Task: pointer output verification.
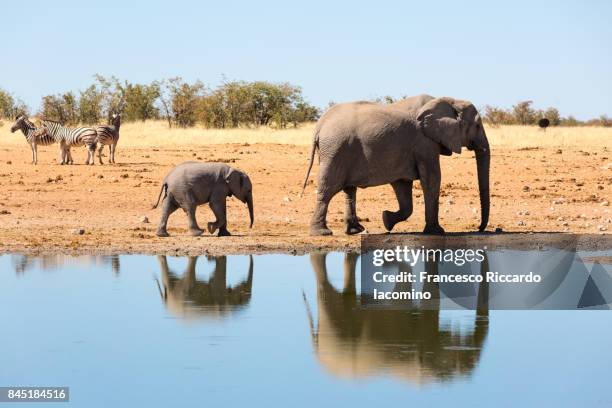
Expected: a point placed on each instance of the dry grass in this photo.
(157, 134)
(531, 136)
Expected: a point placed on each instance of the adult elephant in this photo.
(356, 342)
(189, 297)
(413, 104)
(364, 144)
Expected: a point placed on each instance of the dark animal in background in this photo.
(543, 123)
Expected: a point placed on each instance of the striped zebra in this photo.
(34, 136)
(108, 135)
(69, 137)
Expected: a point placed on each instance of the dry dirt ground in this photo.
(43, 207)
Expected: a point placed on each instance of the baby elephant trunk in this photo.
(249, 202)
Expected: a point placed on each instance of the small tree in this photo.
(63, 108)
(140, 101)
(180, 101)
(304, 112)
(496, 116)
(552, 114)
(11, 107)
(90, 105)
(523, 113)
(111, 93)
(211, 110)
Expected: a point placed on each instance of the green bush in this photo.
(11, 107)
(63, 108)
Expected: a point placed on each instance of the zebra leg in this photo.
(62, 153)
(100, 153)
(168, 208)
(91, 156)
(33, 146)
(112, 148)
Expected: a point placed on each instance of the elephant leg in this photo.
(403, 192)
(430, 182)
(352, 222)
(194, 229)
(168, 208)
(350, 264)
(318, 223)
(218, 207)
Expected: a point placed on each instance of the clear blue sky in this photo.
(554, 52)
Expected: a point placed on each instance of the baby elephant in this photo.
(193, 183)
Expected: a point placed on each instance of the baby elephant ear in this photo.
(446, 131)
(234, 181)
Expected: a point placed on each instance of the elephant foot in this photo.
(389, 220)
(211, 227)
(162, 233)
(354, 227)
(195, 232)
(320, 231)
(434, 230)
(224, 233)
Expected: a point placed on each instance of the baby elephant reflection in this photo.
(189, 297)
(353, 342)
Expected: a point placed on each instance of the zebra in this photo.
(68, 137)
(34, 136)
(109, 135)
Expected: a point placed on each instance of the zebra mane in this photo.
(28, 123)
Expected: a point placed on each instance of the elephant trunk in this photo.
(249, 202)
(483, 162)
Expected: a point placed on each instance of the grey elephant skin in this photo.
(191, 184)
(364, 144)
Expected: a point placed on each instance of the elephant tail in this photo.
(315, 145)
(164, 189)
(313, 334)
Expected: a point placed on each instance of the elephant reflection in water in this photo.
(189, 297)
(353, 342)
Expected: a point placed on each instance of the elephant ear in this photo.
(446, 131)
(234, 182)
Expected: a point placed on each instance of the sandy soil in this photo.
(42, 207)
